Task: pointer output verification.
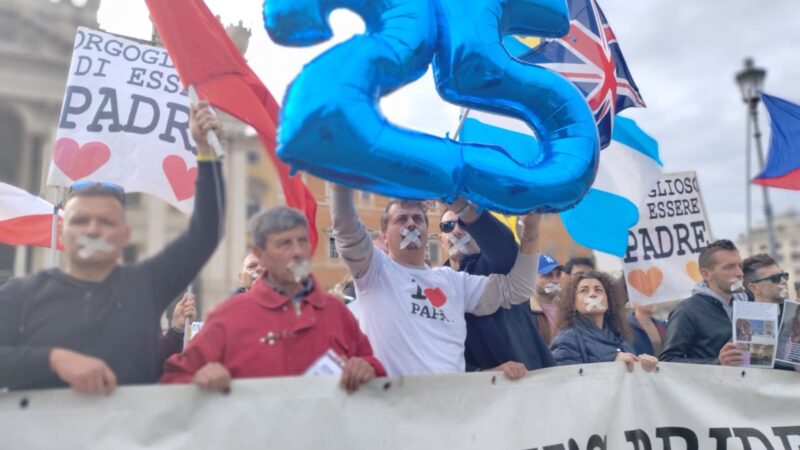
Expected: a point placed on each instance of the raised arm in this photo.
(352, 240)
(171, 270)
(518, 285)
(496, 241)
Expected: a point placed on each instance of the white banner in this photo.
(661, 262)
(596, 406)
(125, 120)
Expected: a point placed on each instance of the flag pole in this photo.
(187, 323)
(461, 124)
(213, 139)
(54, 228)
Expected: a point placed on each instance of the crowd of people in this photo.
(495, 305)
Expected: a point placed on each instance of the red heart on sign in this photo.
(78, 161)
(436, 297)
(180, 178)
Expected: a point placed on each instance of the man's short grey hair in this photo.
(274, 220)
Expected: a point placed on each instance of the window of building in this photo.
(253, 157)
(7, 255)
(253, 206)
(133, 199)
(332, 252)
(433, 252)
(365, 196)
(795, 256)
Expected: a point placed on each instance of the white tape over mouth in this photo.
(737, 285)
(784, 293)
(89, 246)
(300, 269)
(410, 239)
(253, 274)
(461, 245)
(592, 303)
(552, 288)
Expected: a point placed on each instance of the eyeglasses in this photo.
(774, 278)
(114, 189)
(447, 226)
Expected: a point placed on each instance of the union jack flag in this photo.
(590, 57)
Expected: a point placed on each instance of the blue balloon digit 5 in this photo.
(331, 125)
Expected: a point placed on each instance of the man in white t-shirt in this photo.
(414, 314)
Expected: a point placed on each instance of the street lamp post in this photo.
(750, 81)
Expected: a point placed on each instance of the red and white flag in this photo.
(25, 219)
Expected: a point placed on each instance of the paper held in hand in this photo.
(755, 328)
(328, 364)
(789, 335)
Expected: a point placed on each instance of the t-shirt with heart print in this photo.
(414, 316)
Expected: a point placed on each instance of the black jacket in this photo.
(584, 343)
(508, 334)
(116, 320)
(696, 331)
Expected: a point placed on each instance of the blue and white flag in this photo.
(629, 167)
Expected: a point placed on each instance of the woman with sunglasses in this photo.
(591, 324)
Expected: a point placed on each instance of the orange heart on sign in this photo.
(646, 282)
(693, 270)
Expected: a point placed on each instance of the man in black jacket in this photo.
(95, 324)
(699, 329)
(507, 340)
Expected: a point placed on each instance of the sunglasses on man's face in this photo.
(114, 189)
(447, 226)
(774, 278)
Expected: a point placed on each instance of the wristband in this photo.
(176, 330)
(206, 158)
(529, 238)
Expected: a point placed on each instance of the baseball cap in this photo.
(547, 264)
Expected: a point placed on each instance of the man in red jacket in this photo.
(282, 325)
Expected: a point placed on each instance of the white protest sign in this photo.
(195, 328)
(661, 261)
(125, 120)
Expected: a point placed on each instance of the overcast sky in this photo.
(683, 56)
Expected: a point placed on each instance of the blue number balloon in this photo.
(331, 125)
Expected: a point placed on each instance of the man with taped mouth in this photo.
(699, 330)
(507, 340)
(281, 325)
(543, 302)
(414, 314)
(95, 324)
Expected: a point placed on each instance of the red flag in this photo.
(25, 219)
(206, 57)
